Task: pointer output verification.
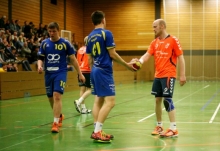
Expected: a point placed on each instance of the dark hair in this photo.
(97, 17)
(53, 25)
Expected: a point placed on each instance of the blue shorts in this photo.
(87, 83)
(55, 83)
(102, 83)
(163, 87)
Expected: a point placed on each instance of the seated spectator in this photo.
(11, 67)
(2, 54)
(34, 55)
(16, 43)
(25, 51)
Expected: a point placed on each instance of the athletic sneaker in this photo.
(77, 106)
(158, 130)
(85, 111)
(55, 128)
(108, 135)
(169, 133)
(99, 137)
(60, 120)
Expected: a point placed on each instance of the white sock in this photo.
(83, 106)
(94, 124)
(80, 100)
(173, 125)
(56, 120)
(98, 127)
(159, 124)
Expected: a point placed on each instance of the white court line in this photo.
(141, 120)
(216, 111)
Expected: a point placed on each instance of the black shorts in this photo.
(87, 83)
(163, 87)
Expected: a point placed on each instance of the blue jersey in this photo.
(98, 43)
(55, 54)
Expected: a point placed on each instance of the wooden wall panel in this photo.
(74, 18)
(129, 20)
(4, 8)
(24, 10)
(193, 20)
(196, 24)
(53, 13)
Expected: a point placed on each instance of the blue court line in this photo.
(210, 100)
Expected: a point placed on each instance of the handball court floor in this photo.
(25, 123)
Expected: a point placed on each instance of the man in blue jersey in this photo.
(101, 51)
(53, 52)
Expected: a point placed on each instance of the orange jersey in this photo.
(82, 59)
(165, 54)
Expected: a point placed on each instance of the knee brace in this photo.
(168, 104)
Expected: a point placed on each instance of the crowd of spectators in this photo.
(19, 43)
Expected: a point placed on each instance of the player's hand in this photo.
(134, 60)
(182, 80)
(82, 78)
(40, 70)
(130, 67)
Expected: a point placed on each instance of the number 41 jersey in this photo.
(98, 43)
(55, 54)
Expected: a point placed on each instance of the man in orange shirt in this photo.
(166, 50)
(85, 88)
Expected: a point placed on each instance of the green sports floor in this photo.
(25, 123)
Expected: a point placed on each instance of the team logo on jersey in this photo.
(53, 58)
(167, 45)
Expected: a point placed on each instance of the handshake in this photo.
(136, 64)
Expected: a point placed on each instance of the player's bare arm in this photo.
(143, 59)
(182, 70)
(114, 55)
(74, 62)
(91, 62)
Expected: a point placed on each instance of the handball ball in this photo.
(137, 65)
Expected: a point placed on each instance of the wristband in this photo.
(141, 61)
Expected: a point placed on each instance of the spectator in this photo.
(12, 26)
(45, 32)
(31, 44)
(25, 51)
(11, 67)
(2, 54)
(7, 33)
(18, 27)
(2, 32)
(14, 34)
(28, 30)
(16, 43)
(7, 27)
(23, 27)
(34, 55)
(21, 41)
(40, 30)
(2, 23)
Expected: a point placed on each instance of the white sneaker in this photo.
(85, 111)
(77, 106)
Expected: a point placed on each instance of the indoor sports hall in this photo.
(25, 114)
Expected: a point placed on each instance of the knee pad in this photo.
(168, 104)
